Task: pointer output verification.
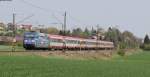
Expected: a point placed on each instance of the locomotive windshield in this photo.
(30, 34)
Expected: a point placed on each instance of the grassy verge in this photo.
(9, 48)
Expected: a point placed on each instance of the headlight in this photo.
(25, 40)
(32, 40)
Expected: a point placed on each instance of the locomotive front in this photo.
(29, 41)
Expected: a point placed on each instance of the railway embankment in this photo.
(84, 54)
(75, 54)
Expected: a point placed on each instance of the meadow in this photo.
(137, 65)
(9, 48)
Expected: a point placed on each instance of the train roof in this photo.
(67, 37)
(75, 38)
(61, 37)
(55, 36)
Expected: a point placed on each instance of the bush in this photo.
(146, 47)
(122, 45)
(10, 43)
(121, 52)
(5, 43)
(1, 33)
(19, 43)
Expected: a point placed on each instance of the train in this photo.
(36, 40)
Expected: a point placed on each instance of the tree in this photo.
(122, 40)
(130, 41)
(68, 33)
(93, 32)
(50, 30)
(114, 35)
(77, 32)
(61, 32)
(100, 33)
(10, 27)
(146, 44)
(86, 33)
(146, 40)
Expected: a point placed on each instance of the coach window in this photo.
(83, 42)
(79, 42)
(59, 40)
(68, 41)
(75, 42)
(52, 40)
(88, 43)
(72, 41)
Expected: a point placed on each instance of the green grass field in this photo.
(9, 48)
(137, 65)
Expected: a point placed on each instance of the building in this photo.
(2, 27)
(25, 27)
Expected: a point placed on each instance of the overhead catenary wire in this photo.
(77, 20)
(26, 18)
(43, 9)
(53, 13)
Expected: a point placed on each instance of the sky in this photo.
(132, 15)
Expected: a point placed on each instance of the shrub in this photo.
(19, 43)
(121, 52)
(146, 47)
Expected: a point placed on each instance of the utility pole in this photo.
(14, 32)
(64, 31)
(14, 15)
(64, 23)
(97, 34)
(97, 31)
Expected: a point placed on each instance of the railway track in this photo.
(67, 54)
(60, 51)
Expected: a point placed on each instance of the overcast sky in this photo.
(132, 15)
